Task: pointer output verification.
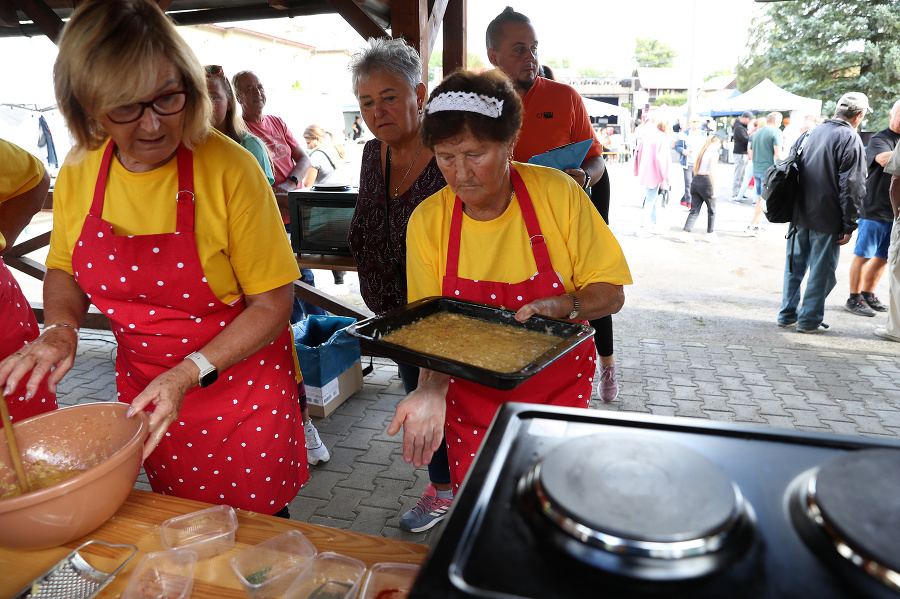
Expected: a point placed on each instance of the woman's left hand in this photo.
(166, 393)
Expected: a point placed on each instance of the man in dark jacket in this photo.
(875, 220)
(832, 185)
(740, 136)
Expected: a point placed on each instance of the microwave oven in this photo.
(320, 219)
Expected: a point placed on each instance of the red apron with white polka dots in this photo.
(234, 442)
(567, 382)
(18, 326)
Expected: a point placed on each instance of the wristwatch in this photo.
(208, 372)
(294, 179)
(587, 182)
(574, 313)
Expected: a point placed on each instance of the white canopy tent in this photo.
(767, 97)
(599, 109)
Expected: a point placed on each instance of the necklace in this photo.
(397, 189)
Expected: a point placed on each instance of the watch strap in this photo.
(208, 372)
(574, 313)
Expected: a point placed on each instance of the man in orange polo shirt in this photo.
(554, 116)
(554, 112)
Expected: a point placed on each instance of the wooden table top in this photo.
(326, 262)
(138, 523)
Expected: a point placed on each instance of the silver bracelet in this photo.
(60, 324)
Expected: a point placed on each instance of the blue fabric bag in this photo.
(324, 349)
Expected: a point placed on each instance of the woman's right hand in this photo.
(422, 414)
(49, 356)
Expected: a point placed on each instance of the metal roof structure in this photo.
(415, 20)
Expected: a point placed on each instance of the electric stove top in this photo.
(565, 503)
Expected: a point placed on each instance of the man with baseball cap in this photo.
(740, 137)
(832, 185)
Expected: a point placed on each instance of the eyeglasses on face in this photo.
(214, 69)
(165, 104)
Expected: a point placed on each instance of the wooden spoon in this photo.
(13, 446)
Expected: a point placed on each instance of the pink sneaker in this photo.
(430, 510)
(609, 387)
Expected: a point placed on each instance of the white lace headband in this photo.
(467, 102)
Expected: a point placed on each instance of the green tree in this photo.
(825, 48)
(653, 53)
(473, 61)
(594, 72)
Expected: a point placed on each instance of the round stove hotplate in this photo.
(850, 509)
(638, 506)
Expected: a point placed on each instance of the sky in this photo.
(602, 33)
(596, 33)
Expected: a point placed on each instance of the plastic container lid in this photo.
(163, 575)
(327, 576)
(268, 569)
(389, 580)
(208, 532)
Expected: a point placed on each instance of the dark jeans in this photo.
(603, 337)
(701, 192)
(439, 467)
(688, 177)
(819, 253)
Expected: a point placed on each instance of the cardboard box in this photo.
(323, 400)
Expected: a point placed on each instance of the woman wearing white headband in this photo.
(471, 241)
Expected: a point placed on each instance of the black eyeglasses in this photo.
(214, 69)
(166, 104)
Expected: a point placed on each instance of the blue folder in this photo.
(567, 156)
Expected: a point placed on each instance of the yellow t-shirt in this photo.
(241, 240)
(19, 172)
(582, 248)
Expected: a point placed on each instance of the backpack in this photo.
(781, 185)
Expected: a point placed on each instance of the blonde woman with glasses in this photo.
(172, 231)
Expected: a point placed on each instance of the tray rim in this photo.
(499, 380)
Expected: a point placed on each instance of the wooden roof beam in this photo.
(357, 18)
(42, 16)
(8, 17)
(455, 29)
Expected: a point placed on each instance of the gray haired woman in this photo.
(397, 174)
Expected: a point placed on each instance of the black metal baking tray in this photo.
(370, 331)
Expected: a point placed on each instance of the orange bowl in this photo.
(96, 436)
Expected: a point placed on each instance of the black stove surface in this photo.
(490, 548)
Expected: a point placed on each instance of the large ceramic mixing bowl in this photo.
(95, 436)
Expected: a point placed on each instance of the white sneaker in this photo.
(315, 450)
(659, 229)
(685, 237)
(711, 237)
(642, 232)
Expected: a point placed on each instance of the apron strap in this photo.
(538, 244)
(184, 222)
(100, 187)
(454, 240)
(185, 197)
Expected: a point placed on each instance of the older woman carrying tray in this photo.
(507, 234)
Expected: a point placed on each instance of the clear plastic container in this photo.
(327, 576)
(208, 532)
(268, 569)
(389, 580)
(163, 575)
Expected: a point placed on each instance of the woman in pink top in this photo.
(651, 167)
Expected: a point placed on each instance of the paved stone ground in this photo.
(696, 339)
